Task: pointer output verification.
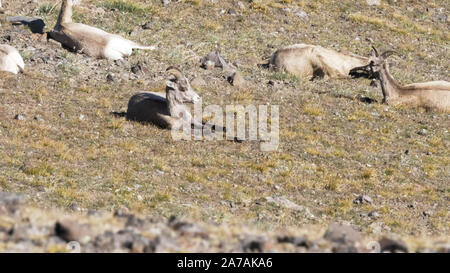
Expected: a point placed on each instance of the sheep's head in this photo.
(375, 65)
(179, 86)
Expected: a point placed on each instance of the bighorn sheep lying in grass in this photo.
(311, 61)
(434, 95)
(90, 40)
(10, 60)
(169, 112)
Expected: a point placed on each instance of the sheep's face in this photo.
(373, 68)
(369, 71)
(182, 90)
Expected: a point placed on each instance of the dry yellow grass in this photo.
(332, 145)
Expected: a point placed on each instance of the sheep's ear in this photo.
(171, 84)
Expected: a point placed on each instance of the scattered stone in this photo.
(240, 5)
(363, 199)
(38, 118)
(231, 12)
(211, 60)
(379, 227)
(373, 2)
(74, 207)
(72, 231)
(133, 221)
(19, 117)
(10, 202)
(296, 241)
(422, 132)
(81, 117)
(427, 213)
(208, 65)
(137, 69)
(36, 25)
(343, 248)
(342, 234)
(62, 115)
(110, 78)
(253, 244)
(301, 14)
(390, 245)
(198, 82)
(440, 17)
(186, 228)
(237, 80)
(122, 212)
(147, 25)
(286, 203)
(374, 214)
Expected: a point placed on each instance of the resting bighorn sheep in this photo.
(90, 40)
(435, 94)
(312, 61)
(169, 112)
(10, 60)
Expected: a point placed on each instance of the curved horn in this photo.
(375, 51)
(387, 54)
(175, 71)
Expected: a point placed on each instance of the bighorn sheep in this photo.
(10, 60)
(312, 61)
(169, 112)
(435, 94)
(90, 40)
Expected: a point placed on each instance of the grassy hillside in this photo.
(70, 149)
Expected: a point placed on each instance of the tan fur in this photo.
(311, 61)
(169, 112)
(430, 95)
(10, 60)
(90, 40)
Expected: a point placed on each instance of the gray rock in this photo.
(36, 25)
(186, 228)
(110, 78)
(211, 60)
(286, 203)
(147, 25)
(295, 240)
(19, 117)
(38, 118)
(72, 231)
(240, 5)
(374, 214)
(198, 82)
(10, 202)
(253, 244)
(427, 213)
(422, 132)
(373, 2)
(11, 199)
(237, 80)
(390, 245)
(363, 199)
(301, 14)
(342, 234)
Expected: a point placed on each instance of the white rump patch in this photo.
(117, 48)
